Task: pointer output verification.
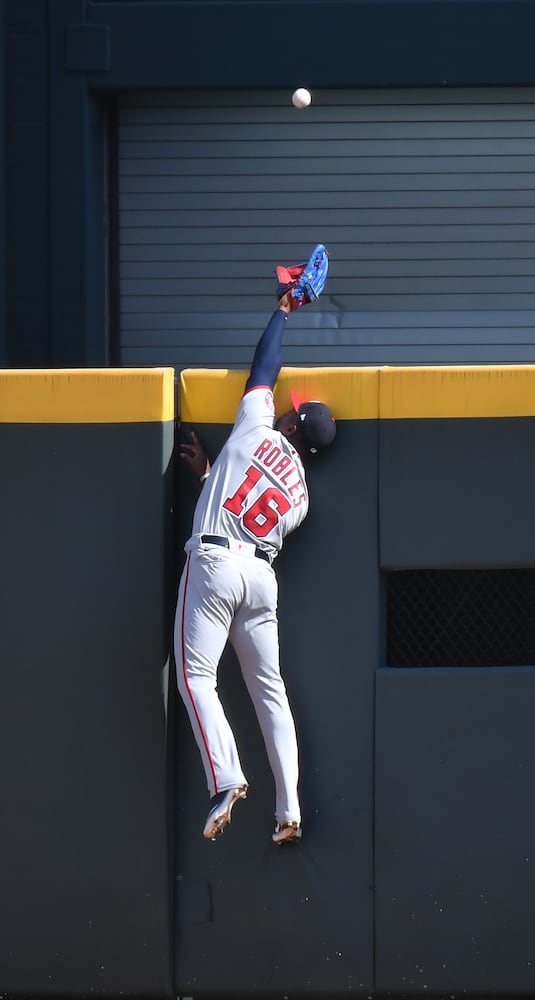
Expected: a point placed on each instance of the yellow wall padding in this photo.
(458, 391)
(87, 395)
(212, 396)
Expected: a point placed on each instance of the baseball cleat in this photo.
(305, 282)
(220, 809)
(287, 833)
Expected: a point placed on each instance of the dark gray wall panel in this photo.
(253, 918)
(85, 870)
(455, 826)
(456, 492)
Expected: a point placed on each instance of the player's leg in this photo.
(254, 636)
(203, 618)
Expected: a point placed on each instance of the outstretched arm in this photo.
(267, 357)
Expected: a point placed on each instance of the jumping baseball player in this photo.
(252, 497)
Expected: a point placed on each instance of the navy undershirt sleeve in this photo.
(267, 357)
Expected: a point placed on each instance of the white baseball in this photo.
(301, 97)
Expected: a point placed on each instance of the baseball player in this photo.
(252, 497)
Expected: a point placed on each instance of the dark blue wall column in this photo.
(3, 240)
(77, 188)
(26, 261)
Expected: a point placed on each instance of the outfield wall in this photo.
(414, 877)
(85, 839)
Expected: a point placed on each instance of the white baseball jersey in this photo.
(256, 491)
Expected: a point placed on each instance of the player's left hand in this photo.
(195, 455)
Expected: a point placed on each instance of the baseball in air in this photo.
(301, 98)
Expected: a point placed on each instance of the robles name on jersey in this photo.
(283, 467)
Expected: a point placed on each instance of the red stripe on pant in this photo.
(186, 681)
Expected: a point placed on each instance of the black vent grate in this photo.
(461, 618)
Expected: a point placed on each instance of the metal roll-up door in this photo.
(425, 199)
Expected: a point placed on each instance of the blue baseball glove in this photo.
(304, 281)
